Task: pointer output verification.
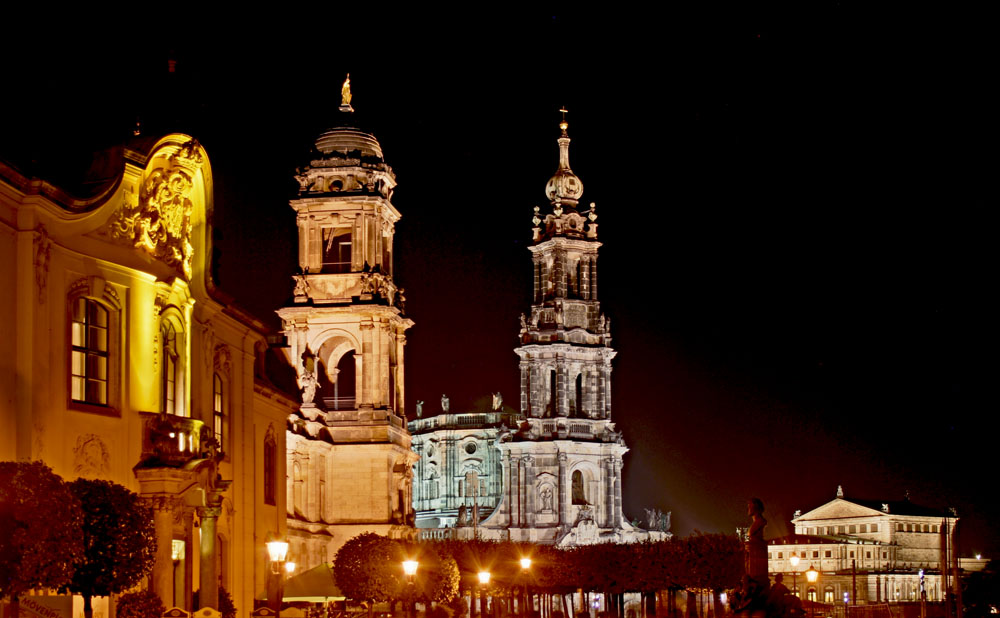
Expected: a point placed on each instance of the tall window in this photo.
(218, 411)
(89, 362)
(270, 470)
(168, 382)
(579, 495)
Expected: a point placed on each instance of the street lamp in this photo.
(484, 580)
(525, 565)
(812, 575)
(410, 569)
(794, 560)
(277, 551)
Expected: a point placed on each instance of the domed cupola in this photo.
(564, 187)
(347, 159)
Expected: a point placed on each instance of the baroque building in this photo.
(560, 459)
(349, 459)
(868, 550)
(128, 365)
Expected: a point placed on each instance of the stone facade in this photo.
(878, 551)
(459, 475)
(126, 366)
(560, 465)
(349, 458)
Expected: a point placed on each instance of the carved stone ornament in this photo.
(42, 248)
(90, 457)
(161, 222)
(223, 360)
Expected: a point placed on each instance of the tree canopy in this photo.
(369, 568)
(40, 529)
(119, 540)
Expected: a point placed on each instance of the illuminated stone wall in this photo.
(107, 293)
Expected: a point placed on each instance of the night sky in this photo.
(792, 201)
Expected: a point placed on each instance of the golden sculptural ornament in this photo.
(161, 221)
(345, 91)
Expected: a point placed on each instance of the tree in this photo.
(119, 540)
(981, 591)
(142, 604)
(40, 530)
(369, 568)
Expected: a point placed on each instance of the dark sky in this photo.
(793, 205)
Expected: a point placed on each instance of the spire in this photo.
(345, 95)
(564, 188)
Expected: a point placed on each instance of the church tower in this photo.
(562, 467)
(349, 457)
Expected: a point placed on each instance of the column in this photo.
(529, 490)
(515, 491)
(369, 367)
(593, 278)
(525, 387)
(505, 501)
(618, 492)
(208, 578)
(609, 491)
(399, 404)
(563, 492)
(562, 392)
(162, 577)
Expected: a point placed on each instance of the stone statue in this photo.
(524, 322)
(752, 594)
(498, 398)
(664, 522)
(301, 286)
(463, 516)
(345, 91)
(445, 403)
(756, 546)
(420, 408)
(546, 499)
(308, 383)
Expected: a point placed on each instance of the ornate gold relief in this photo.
(161, 222)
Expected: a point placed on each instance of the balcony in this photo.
(170, 441)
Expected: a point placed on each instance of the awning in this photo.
(316, 585)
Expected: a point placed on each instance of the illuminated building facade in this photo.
(880, 551)
(560, 463)
(458, 479)
(349, 457)
(126, 366)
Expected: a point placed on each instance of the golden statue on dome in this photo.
(345, 92)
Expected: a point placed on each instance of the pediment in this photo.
(837, 509)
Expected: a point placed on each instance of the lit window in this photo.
(874, 528)
(779, 554)
(864, 528)
(168, 379)
(815, 554)
(218, 411)
(852, 529)
(851, 555)
(89, 354)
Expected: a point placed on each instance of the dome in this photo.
(565, 185)
(345, 140)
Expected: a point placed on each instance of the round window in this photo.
(470, 448)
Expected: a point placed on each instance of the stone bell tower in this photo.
(350, 464)
(562, 467)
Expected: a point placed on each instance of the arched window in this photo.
(579, 493)
(90, 352)
(219, 411)
(578, 401)
(170, 368)
(270, 468)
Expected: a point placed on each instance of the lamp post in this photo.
(410, 569)
(794, 560)
(277, 551)
(525, 565)
(812, 575)
(484, 580)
